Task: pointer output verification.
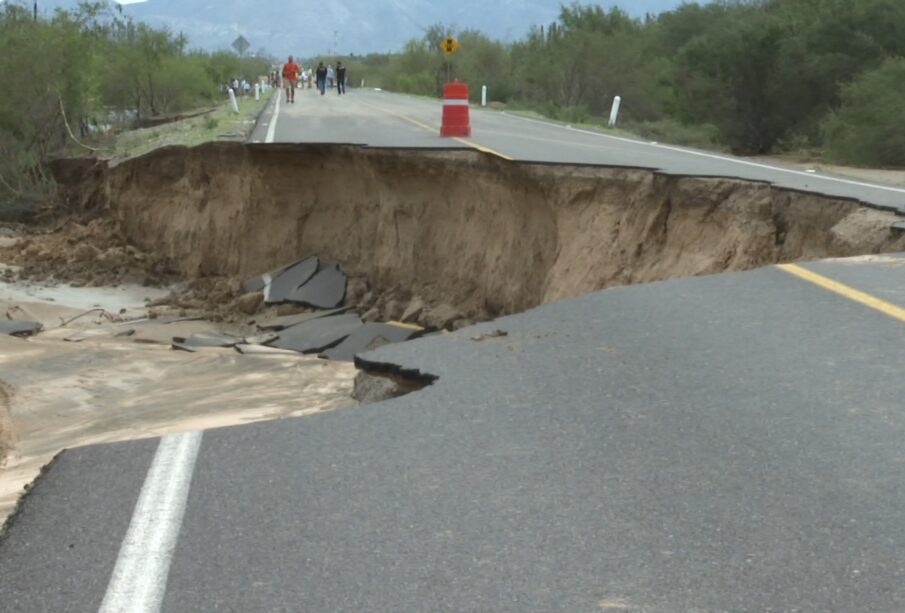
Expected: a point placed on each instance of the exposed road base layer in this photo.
(457, 228)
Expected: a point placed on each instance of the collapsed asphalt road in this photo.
(722, 443)
(469, 236)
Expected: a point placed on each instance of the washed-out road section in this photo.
(721, 443)
(382, 119)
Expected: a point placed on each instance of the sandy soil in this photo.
(56, 394)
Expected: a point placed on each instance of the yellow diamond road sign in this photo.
(449, 45)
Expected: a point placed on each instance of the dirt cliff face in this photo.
(462, 228)
(6, 431)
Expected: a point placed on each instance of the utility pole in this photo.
(335, 42)
(36, 10)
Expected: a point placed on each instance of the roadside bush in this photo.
(869, 126)
(573, 114)
(705, 136)
(421, 83)
(92, 69)
(180, 84)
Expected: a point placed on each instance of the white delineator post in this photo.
(614, 113)
(257, 91)
(483, 95)
(233, 102)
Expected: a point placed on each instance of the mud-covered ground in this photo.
(128, 382)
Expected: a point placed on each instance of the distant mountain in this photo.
(346, 26)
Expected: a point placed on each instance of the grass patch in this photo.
(665, 131)
(675, 133)
(220, 124)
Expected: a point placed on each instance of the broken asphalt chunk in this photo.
(253, 349)
(261, 339)
(289, 280)
(257, 284)
(287, 321)
(368, 337)
(19, 328)
(108, 332)
(317, 335)
(206, 339)
(325, 290)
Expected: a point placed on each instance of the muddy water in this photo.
(63, 394)
(112, 299)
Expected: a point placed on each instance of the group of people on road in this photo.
(325, 76)
(240, 88)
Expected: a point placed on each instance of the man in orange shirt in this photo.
(290, 77)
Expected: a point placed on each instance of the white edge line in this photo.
(713, 156)
(139, 579)
(272, 129)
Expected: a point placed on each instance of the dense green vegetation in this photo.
(825, 77)
(90, 68)
(754, 76)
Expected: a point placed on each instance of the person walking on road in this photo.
(340, 78)
(321, 77)
(290, 78)
(330, 76)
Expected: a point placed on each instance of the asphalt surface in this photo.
(381, 119)
(63, 542)
(722, 443)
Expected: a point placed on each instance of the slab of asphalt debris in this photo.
(206, 339)
(106, 331)
(325, 290)
(288, 281)
(306, 282)
(254, 349)
(287, 321)
(370, 336)
(317, 335)
(330, 331)
(259, 283)
(19, 328)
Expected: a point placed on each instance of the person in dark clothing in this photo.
(321, 77)
(340, 78)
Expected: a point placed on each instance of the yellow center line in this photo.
(887, 308)
(472, 144)
(482, 148)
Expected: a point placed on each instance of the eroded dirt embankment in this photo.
(482, 235)
(6, 432)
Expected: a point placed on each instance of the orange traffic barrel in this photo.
(456, 121)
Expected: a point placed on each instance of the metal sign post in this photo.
(449, 46)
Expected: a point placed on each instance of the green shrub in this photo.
(573, 114)
(421, 83)
(869, 126)
(670, 131)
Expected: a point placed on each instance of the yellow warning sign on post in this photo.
(449, 45)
